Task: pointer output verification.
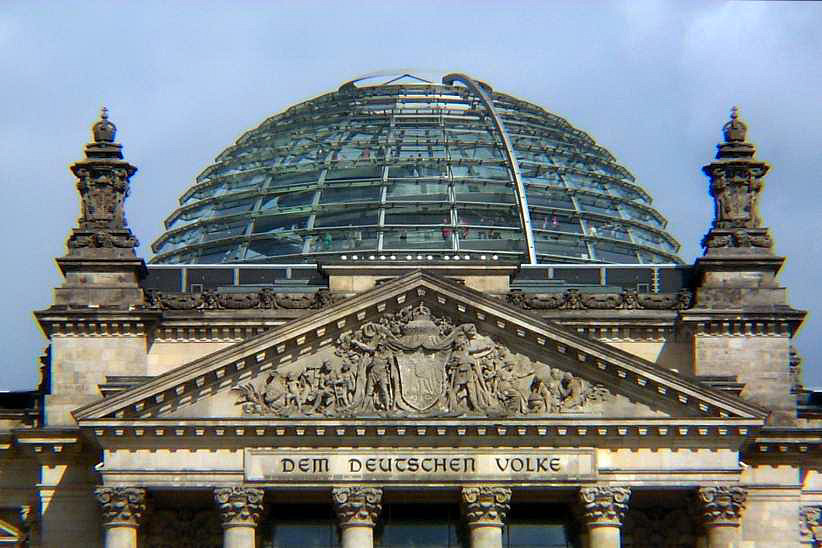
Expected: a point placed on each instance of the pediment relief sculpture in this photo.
(414, 364)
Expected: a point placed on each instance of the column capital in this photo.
(239, 506)
(486, 505)
(721, 504)
(809, 523)
(603, 505)
(122, 506)
(357, 506)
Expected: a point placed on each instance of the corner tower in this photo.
(96, 326)
(742, 321)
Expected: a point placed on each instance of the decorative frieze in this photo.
(721, 504)
(604, 505)
(357, 506)
(574, 299)
(413, 363)
(122, 506)
(265, 299)
(486, 505)
(239, 506)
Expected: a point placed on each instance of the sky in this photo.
(651, 82)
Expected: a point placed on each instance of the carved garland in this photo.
(414, 364)
(573, 299)
(265, 299)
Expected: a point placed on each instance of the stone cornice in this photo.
(772, 322)
(95, 322)
(576, 432)
(48, 444)
(636, 377)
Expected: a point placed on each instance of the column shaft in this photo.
(358, 536)
(239, 537)
(121, 536)
(722, 536)
(604, 536)
(486, 536)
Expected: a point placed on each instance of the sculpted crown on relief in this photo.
(412, 364)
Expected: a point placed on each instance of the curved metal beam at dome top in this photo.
(524, 213)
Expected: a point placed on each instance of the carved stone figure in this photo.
(412, 363)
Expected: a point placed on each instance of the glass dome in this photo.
(409, 168)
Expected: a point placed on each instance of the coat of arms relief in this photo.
(414, 364)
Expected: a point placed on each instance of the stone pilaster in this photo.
(357, 508)
(123, 510)
(240, 509)
(720, 510)
(603, 509)
(486, 509)
(809, 524)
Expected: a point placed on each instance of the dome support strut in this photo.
(519, 187)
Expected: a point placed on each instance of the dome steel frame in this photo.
(411, 170)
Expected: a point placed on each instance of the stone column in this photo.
(603, 509)
(810, 519)
(720, 509)
(123, 509)
(358, 508)
(486, 509)
(240, 509)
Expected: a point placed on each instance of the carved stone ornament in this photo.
(604, 505)
(721, 505)
(265, 299)
(103, 183)
(183, 528)
(573, 299)
(239, 506)
(809, 517)
(357, 506)
(486, 505)
(413, 364)
(736, 181)
(122, 506)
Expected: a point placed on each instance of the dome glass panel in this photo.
(411, 165)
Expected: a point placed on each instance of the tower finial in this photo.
(103, 130)
(734, 130)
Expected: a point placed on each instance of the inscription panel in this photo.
(438, 466)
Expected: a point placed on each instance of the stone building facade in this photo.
(403, 401)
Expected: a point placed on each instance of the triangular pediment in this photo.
(419, 347)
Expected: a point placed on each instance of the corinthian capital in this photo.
(122, 506)
(357, 506)
(239, 505)
(604, 505)
(486, 505)
(721, 505)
